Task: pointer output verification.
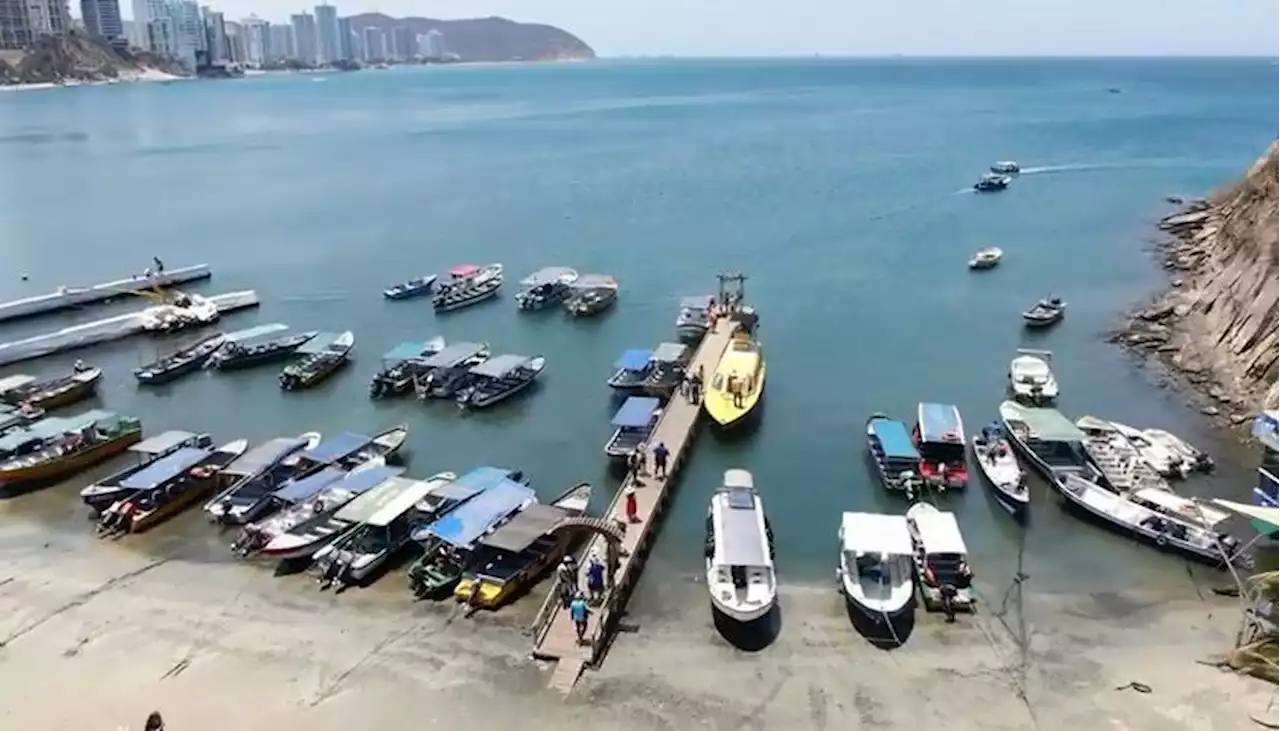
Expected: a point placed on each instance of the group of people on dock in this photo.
(573, 598)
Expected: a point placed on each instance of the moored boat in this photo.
(304, 528)
(1192, 458)
(546, 287)
(876, 566)
(666, 370)
(416, 287)
(500, 378)
(894, 453)
(694, 317)
(992, 182)
(401, 365)
(998, 464)
(987, 258)
(147, 453)
(445, 373)
(18, 417)
(257, 473)
(633, 424)
(162, 495)
(739, 551)
(258, 346)
(51, 393)
(1048, 311)
(939, 435)
(69, 446)
(180, 363)
(941, 558)
(469, 284)
(591, 294)
(737, 384)
(631, 370)
(1030, 378)
(322, 357)
(1119, 461)
(1158, 454)
(1048, 440)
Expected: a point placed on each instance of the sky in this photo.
(860, 27)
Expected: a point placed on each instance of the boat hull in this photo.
(74, 394)
(894, 615)
(741, 614)
(73, 464)
(143, 521)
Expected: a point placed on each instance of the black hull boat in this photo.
(43, 395)
(107, 491)
(448, 371)
(991, 183)
(319, 363)
(185, 361)
(416, 287)
(894, 454)
(1046, 313)
(591, 295)
(468, 289)
(239, 355)
(259, 472)
(401, 366)
(500, 378)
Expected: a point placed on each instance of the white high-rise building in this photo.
(375, 44)
(328, 37)
(189, 34)
(431, 45)
(347, 40)
(237, 51)
(215, 31)
(48, 17)
(102, 18)
(257, 40)
(304, 37)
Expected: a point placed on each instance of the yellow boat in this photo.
(743, 364)
(57, 447)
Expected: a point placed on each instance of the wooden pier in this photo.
(554, 635)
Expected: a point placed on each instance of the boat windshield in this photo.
(942, 451)
(371, 539)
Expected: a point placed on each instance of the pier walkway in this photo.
(68, 297)
(555, 637)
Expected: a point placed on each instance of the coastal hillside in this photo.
(489, 39)
(1217, 325)
(78, 57)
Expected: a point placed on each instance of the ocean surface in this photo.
(841, 187)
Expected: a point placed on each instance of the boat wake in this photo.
(1137, 164)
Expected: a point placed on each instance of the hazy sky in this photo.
(928, 27)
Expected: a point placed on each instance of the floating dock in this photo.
(554, 636)
(68, 297)
(101, 331)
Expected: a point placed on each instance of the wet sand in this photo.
(96, 635)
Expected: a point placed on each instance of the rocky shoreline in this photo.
(1215, 328)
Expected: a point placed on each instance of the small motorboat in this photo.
(633, 424)
(500, 378)
(401, 365)
(185, 361)
(942, 565)
(172, 452)
(1120, 463)
(986, 258)
(591, 294)
(694, 317)
(1048, 311)
(991, 182)
(1166, 458)
(168, 494)
(667, 369)
(261, 471)
(1006, 167)
(876, 565)
(739, 551)
(322, 357)
(895, 455)
(999, 465)
(546, 287)
(1192, 458)
(939, 437)
(468, 285)
(50, 393)
(253, 351)
(416, 287)
(1030, 378)
(631, 370)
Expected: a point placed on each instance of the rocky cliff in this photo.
(488, 39)
(78, 57)
(1217, 325)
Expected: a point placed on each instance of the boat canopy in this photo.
(332, 450)
(549, 275)
(1178, 505)
(499, 366)
(1031, 366)
(596, 281)
(473, 483)
(164, 469)
(1046, 424)
(894, 439)
(376, 506)
(1266, 426)
(9, 416)
(241, 336)
(741, 542)
(940, 423)
(464, 270)
(876, 533)
(1268, 516)
(466, 523)
(264, 455)
(1093, 423)
(13, 383)
(527, 526)
(407, 350)
(161, 443)
(319, 343)
(699, 302)
(634, 360)
(669, 353)
(454, 354)
(939, 533)
(738, 478)
(295, 491)
(636, 412)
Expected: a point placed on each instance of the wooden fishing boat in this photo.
(546, 287)
(401, 365)
(998, 464)
(180, 363)
(416, 287)
(1047, 312)
(322, 357)
(51, 393)
(80, 442)
(251, 478)
(171, 494)
(148, 453)
(258, 349)
(500, 378)
(591, 295)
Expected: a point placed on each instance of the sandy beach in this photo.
(218, 646)
(126, 77)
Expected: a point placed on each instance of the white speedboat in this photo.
(999, 465)
(739, 551)
(1160, 456)
(1192, 458)
(876, 565)
(1030, 378)
(1006, 167)
(941, 558)
(1117, 457)
(987, 258)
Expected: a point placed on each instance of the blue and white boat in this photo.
(416, 287)
(631, 370)
(298, 531)
(633, 424)
(148, 453)
(258, 473)
(894, 453)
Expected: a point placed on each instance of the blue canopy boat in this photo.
(630, 370)
(894, 453)
(634, 422)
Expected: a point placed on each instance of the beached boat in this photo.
(999, 465)
(1192, 457)
(500, 378)
(50, 393)
(416, 287)
(1047, 312)
(895, 455)
(1120, 462)
(1159, 454)
(992, 182)
(939, 435)
(694, 317)
(1006, 167)
(322, 357)
(469, 285)
(401, 365)
(18, 417)
(304, 528)
(737, 385)
(69, 446)
(546, 287)
(180, 363)
(591, 294)
(267, 347)
(666, 369)
(633, 424)
(631, 370)
(515, 555)
(1158, 517)
(383, 520)
(739, 551)
(262, 470)
(942, 561)
(987, 258)
(445, 373)
(148, 453)
(1030, 378)
(1048, 440)
(161, 494)
(876, 565)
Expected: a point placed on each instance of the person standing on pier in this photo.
(660, 455)
(568, 572)
(631, 505)
(595, 579)
(578, 612)
(159, 264)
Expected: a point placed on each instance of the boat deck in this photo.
(555, 637)
(76, 296)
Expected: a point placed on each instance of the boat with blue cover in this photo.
(322, 356)
(257, 473)
(498, 379)
(546, 287)
(894, 453)
(187, 476)
(694, 317)
(631, 370)
(939, 436)
(445, 373)
(633, 424)
(149, 452)
(416, 287)
(258, 345)
(180, 363)
(301, 530)
(401, 365)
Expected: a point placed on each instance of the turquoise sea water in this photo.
(840, 187)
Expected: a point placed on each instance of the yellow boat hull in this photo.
(489, 596)
(744, 359)
(69, 465)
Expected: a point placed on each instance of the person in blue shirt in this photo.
(595, 579)
(578, 611)
(660, 455)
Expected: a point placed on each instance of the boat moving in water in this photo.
(308, 525)
(998, 464)
(895, 455)
(991, 182)
(322, 357)
(162, 493)
(546, 287)
(149, 452)
(416, 287)
(987, 258)
(876, 566)
(737, 384)
(401, 365)
(942, 561)
(694, 317)
(469, 284)
(65, 446)
(739, 551)
(1030, 378)
(939, 435)
(50, 393)
(500, 378)
(180, 363)
(591, 294)
(1006, 167)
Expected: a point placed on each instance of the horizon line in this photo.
(937, 56)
